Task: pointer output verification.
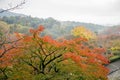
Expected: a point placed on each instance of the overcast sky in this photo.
(104, 12)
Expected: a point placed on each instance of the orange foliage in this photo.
(90, 60)
(7, 55)
(8, 50)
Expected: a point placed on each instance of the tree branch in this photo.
(53, 59)
(12, 8)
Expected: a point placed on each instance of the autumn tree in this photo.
(83, 32)
(8, 49)
(48, 56)
(42, 53)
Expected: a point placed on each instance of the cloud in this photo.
(117, 5)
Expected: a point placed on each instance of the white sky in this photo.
(104, 12)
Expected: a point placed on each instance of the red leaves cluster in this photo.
(40, 28)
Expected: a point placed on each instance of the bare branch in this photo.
(12, 8)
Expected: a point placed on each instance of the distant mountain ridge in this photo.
(52, 26)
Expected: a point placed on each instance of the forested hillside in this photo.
(53, 27)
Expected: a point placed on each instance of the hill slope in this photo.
(53, 27)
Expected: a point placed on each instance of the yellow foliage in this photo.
(115, 45)
(81, 31)
(115, 48)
